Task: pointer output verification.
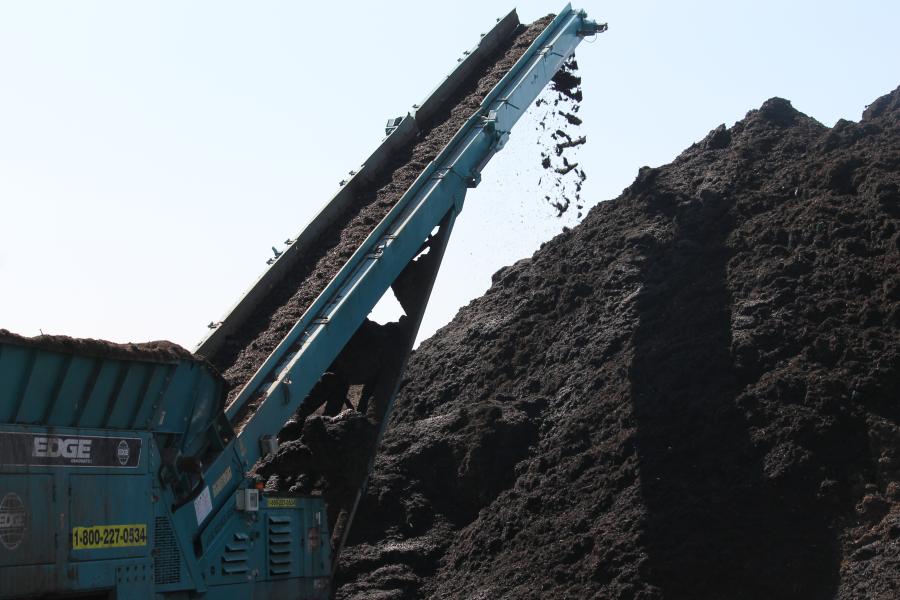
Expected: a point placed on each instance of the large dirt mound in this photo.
(693, 394)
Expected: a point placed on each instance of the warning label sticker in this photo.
(203, 505)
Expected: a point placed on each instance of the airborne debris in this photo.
(561, 103)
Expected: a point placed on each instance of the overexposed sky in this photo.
(152, 153)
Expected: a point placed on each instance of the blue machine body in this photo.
(84, 504)
(122, 473)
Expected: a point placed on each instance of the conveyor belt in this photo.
(243, 350)
(414, 184)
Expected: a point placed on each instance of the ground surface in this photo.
(693, 394)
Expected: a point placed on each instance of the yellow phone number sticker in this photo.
(281, 503)
(108, 536)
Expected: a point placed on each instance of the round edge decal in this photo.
(123, 453)
(13, 521)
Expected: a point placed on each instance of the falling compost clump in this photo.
(693, 394)
(565, 176)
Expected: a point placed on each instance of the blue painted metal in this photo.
(89, 442)
(264, 550)
(61, 389)
(56, 499)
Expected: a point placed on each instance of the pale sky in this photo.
(152, 153)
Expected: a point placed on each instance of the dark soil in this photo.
(693, 394)
(336, 448)
(327, 446)
(151, 351)
(245, 351)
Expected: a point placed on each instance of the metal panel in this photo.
(156, 386)
(61, 389)
(68, 397)
(316, 563)
(172, 411)
(38, 392)
(282, 534)
(93, 411)
(104, 500)
(235, 560)
(167, 557)
(15, 369)
(32, 581)
(27, 519)
(131, 392)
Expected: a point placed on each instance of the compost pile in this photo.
(693, 394)
(160, 350)
(246, 350)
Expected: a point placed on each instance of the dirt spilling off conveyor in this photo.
(336, 448)
(558, 126)
(326, 447)
(152, 351)
(694, 394)
(246, 350)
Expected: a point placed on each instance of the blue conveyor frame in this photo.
(292, 369)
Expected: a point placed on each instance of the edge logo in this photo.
(77, 450)
(13, 521)
(67, 450)
(123, 453)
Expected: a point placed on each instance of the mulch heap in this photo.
(693, 394)
(160, 350)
